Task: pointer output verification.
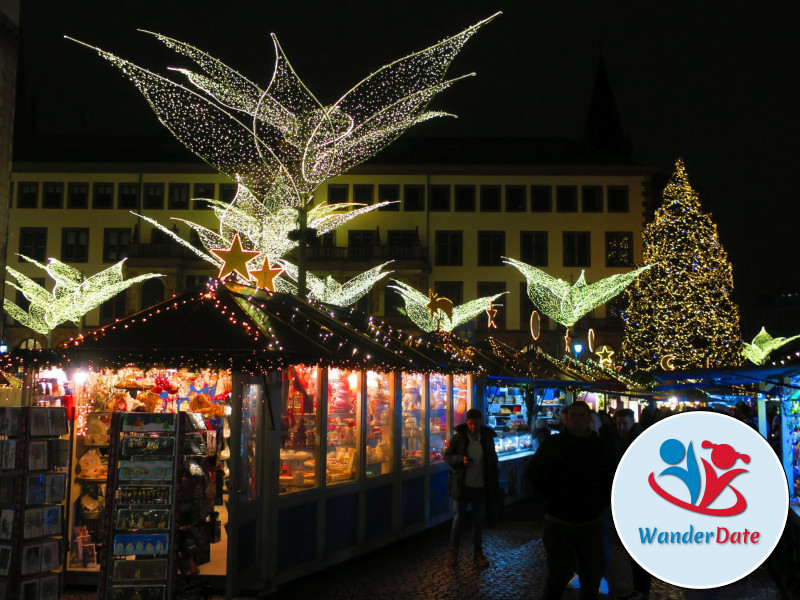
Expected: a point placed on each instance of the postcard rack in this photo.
(34, 459)
(157, 482)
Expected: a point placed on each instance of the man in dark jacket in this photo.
(572, 473)
(473, 479)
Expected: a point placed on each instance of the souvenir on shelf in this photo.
(507, 413)
(380, 423)
(439, 416)
(413, 385)
(344, 404)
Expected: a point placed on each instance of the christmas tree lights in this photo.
(681, 307)
(284, 132)
(72, 297)
(566, 303)
(428, 320)
(763, 345)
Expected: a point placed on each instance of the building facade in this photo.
(450, 226)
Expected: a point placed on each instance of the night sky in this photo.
(714, 82)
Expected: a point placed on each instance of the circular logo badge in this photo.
(700, 500)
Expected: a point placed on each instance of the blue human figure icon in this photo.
(672, 452)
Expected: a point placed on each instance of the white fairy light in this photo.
(72, 297)
(418, 311)
(565, 303)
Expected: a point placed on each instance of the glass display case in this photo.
(507, 413)
(299, 440)
(438, 416)
(461, 399)
(380, 423)
(344, 406)
(791, 450)
(413, 415)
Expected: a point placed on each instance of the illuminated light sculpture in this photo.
(763, 345)
(536, 325)
(265, 276)
(682, 306)
(330, 291)
(436, 304)
(491, 312)
(666, 362)
(284, 132)
(417, 309)
(605, 353)
(234, 259)
(565, 303)
(72, 297)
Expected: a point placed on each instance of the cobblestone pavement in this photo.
(414, 569)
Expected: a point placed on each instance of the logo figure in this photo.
(723, 457)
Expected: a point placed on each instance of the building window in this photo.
(592, 198)
(490, 288)
(114, 308)
(449, 248)
(360, 243)
(452, 290)
(338, 193)
(78, 195)
(401, 237)
(491, 248)
(465, 198)
(227, 192)
(129, 196)
(515, 198)
(618, 198)
(533, 248)
(103, 195)
(28, 195)
(115, 244)
(490, 198)
(178, 196)
(393, 304)
(567, 198)
(153, 196)
(203, 191)
(389, 193)
(439, 198)
(75, 244)
(326, 240)
(152, 292)
(541, 198)
(53, 195)
(198, 282)
(33, 243)
(414, 198)
(619, 249)
(576, 249)
(363, 194)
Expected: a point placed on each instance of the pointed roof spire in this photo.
(603, 126)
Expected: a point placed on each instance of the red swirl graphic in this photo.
(736, 509)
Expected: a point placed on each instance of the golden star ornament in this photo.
(234, 259)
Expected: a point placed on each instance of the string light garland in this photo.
(417, 309)
(566, 303)
(72, 297)
(682, 306)
(763, 345)
(283, 131)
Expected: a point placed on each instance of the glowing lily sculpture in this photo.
(72, 297)
(763, 345)
(565, 303)
(283, 132)
(427, 319)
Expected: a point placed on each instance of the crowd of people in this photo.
(571, 474)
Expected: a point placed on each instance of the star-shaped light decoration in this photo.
(605, 353)
(762, 345)
(491, 312)
(566, 303)
(234, 259)
(265, 276)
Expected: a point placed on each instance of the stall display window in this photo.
(344, 406)
(791, 450)
(380, 423)
(461, 397)
(413, 415)
(507, 413)
(299, 448)
(440, 427)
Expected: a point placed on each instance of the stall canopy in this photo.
(249, 330)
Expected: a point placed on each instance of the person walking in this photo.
(473, 480)
(572, 473)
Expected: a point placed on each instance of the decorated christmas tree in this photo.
(680, 314)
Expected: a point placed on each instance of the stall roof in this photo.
(246, 329)
(708, 379)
